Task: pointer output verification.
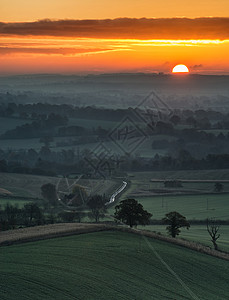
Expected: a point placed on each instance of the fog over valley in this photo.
(118, 90)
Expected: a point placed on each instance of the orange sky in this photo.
(126, 44)
(30, 10)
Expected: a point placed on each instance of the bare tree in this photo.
(213, 229)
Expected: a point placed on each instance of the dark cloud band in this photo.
(124, 28)
(50, 51)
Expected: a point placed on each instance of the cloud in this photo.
(123, 28)
(50, 51)
(196, 67)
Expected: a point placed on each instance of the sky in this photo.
(99, 36)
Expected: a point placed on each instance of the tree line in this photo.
(128, 212)
(51, 163)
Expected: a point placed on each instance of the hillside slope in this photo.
(109, 265)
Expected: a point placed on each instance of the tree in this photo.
(175, 221)
(164, 128)
(213, 229)
(191, 121)
(46, 140)
(3, 165)
(131, 212)
(32, 214)
(49, 193)
(67, 216)
(12, 213)
(218, 187)
(175, 119)
(79, 195)
(71, 216)
(77, 198)
(80, 214)
(97, 206)
(45, 153)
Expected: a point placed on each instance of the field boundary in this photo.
(179, 194)
(20, 197)
(180, 242)
(192, 180)
(36, 233)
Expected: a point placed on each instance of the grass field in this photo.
(13, 201)
(217, 131)
(197, 233)
(199, 207)
(142, 185)
(109, 265)
(191, 206)
(184, 174)
(24, 185)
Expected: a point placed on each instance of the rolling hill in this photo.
(110, 265)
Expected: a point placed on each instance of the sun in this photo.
(180, 69)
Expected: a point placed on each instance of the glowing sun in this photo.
(180, 69)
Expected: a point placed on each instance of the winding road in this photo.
(112, 198)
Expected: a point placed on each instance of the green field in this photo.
(184, 174)
(193, 206)
(109, 265)
(196, 233)
(13, 201)
(199, 207)
(145, 183)
(25, 185)
(217, 131)
(30, 185)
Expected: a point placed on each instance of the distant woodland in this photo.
(184, 139)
